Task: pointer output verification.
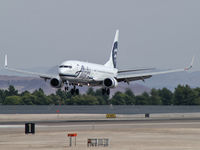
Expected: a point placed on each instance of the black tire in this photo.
(108, 91)
(103, 91)
(77, 91)
(72, 91)
(66, 88)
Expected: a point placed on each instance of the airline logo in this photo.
(114, 54)
(83, 73)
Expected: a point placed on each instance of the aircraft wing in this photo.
(133, 70)
(141, 76)
(44, 76)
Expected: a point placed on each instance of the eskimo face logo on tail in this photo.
(114, 54)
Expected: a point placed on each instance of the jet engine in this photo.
(110, 82)
(56, 82)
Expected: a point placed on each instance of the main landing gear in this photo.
(73, 91)
(105, 91)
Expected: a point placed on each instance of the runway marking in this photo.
(12, 126)
(105, 124)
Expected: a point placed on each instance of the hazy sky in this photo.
(153, 33)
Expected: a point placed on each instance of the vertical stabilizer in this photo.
(112, 62)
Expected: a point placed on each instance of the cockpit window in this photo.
(63, 66)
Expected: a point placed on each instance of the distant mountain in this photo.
(25, 83)
(171, 80)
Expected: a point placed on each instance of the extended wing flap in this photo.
(131, 78)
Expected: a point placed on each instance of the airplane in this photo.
(78, 73)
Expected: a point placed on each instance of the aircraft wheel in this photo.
(72, 91)
(66, 88)
(103, 91)
(77, 91)
(108, 91)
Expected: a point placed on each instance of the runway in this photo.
(195, 123)
(137, 133)
(107, 122)
(97, 109)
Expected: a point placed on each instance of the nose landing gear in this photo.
(66, 88)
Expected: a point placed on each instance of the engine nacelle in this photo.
(110, 82)
(56, 82)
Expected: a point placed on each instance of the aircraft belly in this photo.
(76, 79)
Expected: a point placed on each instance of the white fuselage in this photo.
(83, 72)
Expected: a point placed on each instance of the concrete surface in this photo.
(83, 117)
(175, 132)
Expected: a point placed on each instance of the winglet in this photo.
(6, 61)
(191, 64)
